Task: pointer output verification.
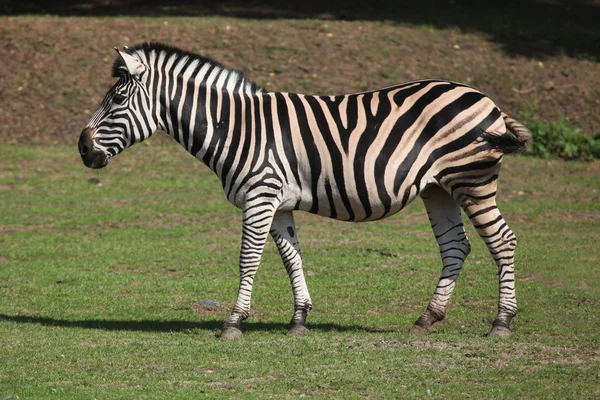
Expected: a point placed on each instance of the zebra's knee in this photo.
(507, 241)
(466, 246)
(461, 247)
(512, 240)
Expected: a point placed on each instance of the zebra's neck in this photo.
(191, 96)
(200, 109)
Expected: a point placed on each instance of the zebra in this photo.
(355, 157)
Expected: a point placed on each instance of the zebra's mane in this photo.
(236, 77)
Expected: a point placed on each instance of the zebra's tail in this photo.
(516, 143)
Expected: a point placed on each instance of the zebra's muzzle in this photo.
(91, 157)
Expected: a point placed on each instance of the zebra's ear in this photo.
(132, 65)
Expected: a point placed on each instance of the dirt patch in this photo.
(203, 310)
(57, 69)
(121, 269)
(542, 354)
(576, 217)
(417, 344)
(10, 229)
(547, 354)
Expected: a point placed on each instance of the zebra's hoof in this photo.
(298, 330)
(500, 332)
(231, 333)
(419, 330)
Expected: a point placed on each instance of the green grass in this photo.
(100, 285)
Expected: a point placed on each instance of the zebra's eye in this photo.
(119, 98)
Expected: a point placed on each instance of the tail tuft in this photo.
(519, 130)
(516, 143)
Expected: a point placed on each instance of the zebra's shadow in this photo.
(176, 325)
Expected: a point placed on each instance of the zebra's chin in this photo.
(95, 160)
(97, 164)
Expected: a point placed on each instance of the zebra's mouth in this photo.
(93, 158)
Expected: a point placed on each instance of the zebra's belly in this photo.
(359, 207)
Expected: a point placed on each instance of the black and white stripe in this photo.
(356, 157)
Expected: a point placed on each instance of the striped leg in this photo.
(501, 243)
(446, 222)
(284, 232)
(256, 221)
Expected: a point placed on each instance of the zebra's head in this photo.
(124, 116)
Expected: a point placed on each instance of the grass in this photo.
(100, 285)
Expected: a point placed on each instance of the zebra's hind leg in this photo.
(444, 215)
(283, 231)
(476, 193)
(256, 222)
(501, 243)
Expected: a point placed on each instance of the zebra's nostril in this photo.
(84, 149)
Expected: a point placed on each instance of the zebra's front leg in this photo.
(285, 236)
(447, 225)
(256, 221)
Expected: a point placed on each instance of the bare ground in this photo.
(56, 69)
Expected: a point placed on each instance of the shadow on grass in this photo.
(533, 28)
(174, 325)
